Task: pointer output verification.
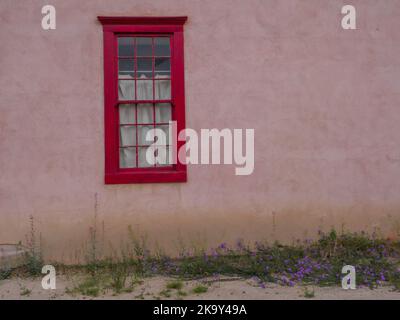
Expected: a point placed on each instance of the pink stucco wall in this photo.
(324, 103)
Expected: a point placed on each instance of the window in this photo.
(143, 90)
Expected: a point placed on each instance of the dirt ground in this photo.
(156, 288)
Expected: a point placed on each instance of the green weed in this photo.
(178, 285)
(200, 289)
(309, 293)
(25, 291)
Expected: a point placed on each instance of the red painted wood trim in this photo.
(143, 20)
(148, 177)
(141, 28)
(112, 27)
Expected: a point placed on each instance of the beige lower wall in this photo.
(70, 241)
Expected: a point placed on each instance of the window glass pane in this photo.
(144, 89)
(142, 132)
(143, 163)
(163, 112)
(127, 136)
(145, 113)
(162, 66)
(162, 89)
(126, 89)
(162, 156)
(144, 46)
(144, 68)
(126, 113)
(162, 47)
(127, 157)
(126, 67)
(125, 47)
(165, 139)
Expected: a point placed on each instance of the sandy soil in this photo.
(224, 288)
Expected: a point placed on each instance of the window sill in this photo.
(146, 177)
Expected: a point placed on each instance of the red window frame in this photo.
(134, 26)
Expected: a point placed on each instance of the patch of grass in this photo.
(309, 293)
(200, 289)
(178, 285)
(89, 287)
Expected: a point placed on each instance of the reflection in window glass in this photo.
(144, 73)
(145, 68)
(126, 67)
(125, 47)
(162, 66)
(144, 47)
(162, 47)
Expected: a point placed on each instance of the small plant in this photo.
(200, 289)
(92, 262)
(140, 296)
(119, 274)
(5, 273)
(5, 268)
(165, 293)
(139, 254)
(182, 293)
(178, 285)
(136, 281)
(25, 291)
(395, 280)
(89, 287)
(69, 291)
(92, 255)
(309, 293)
(34, 261)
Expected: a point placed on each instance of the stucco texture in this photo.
(324, 103)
